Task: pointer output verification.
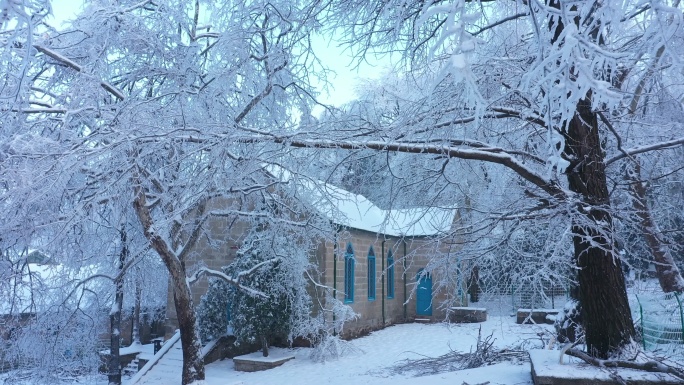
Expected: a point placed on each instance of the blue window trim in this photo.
(390, 275)
(371, 274)
(349, 262)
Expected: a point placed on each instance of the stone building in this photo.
(374, 261)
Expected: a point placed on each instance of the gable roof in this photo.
(356, 211)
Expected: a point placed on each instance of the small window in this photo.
(371, 274)
(349, 274)
(390, 274)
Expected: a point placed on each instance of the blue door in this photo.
(424, 293)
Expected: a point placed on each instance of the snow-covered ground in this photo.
(372, 358)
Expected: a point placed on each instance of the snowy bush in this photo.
(272, 303)
(212, 311)
(255, 318)
(331, 347)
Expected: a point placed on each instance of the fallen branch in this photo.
(484, 355)
(648, 366)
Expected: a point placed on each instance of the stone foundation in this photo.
(467, 314)
(547, 370)
(255, 362)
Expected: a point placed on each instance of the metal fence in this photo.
(551, 297)
(660, 318)
(508, 301)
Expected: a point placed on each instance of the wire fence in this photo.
(509, 300)
(660, 317)
(551, 297)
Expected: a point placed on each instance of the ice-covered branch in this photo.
(76, 67)
(651, 147)
(649, 366)
(200, 218)
(235, 281)
(501, 158)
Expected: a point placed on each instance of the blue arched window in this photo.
(349, 274)
(390, 274)
(371, 274)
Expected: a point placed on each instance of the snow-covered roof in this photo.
(356, 211)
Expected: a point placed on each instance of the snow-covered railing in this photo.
(164, 349)
(206, 349)
(661, 318)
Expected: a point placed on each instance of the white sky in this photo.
(346, 77)
(343, 84)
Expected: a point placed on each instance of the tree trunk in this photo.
(667, 271)
(193, 363)
(264, 346)
(602, 293)
(114, 376)
(135, 335)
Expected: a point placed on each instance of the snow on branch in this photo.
(649, 366)
(502, 158)
(235, 281)
(76, 67)
(41, 110)
(642, 149)
(138, 5)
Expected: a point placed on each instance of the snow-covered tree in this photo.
(278, 305)
(51, 319)
(153, 104)
(547, 90)
(212, 311)
(256, 318)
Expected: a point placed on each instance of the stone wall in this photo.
(215, 250)
(410, 256)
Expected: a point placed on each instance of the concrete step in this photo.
(131, 368)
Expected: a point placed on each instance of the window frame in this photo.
(390, 275)
(349, 278)
(372, 274)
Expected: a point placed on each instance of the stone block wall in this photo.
(397, 309)
(410, 256)
(215, 250)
